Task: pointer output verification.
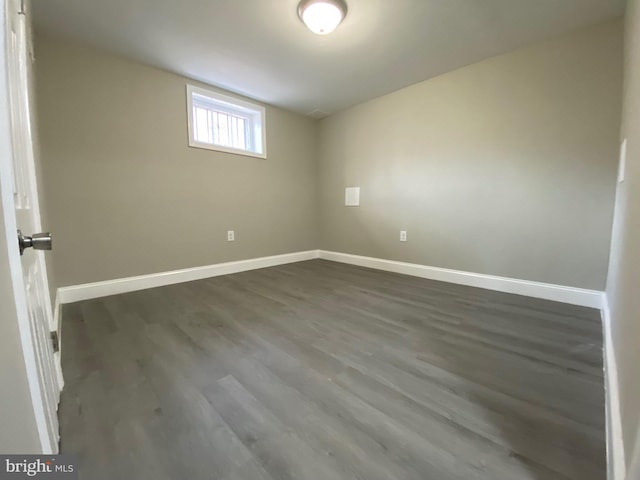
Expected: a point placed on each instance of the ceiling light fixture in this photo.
(322, 16)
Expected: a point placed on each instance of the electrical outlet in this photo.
(403, 235)
(231, 236)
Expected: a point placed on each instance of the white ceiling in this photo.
(261, 49)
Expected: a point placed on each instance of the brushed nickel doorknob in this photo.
(38, 241)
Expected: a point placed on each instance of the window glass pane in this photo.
(220, 128)
(202, 131)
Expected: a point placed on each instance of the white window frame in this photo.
(232, 105)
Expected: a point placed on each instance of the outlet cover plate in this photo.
(352, 197)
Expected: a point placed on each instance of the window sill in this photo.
(235, 151)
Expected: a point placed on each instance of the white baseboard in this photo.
(616, 467)
(558, 293)
(87, 291)
(571, 295)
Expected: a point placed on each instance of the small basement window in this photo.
(224, 123)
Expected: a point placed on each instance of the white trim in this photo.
(123, 285)
(36, 388)
(615, 445)
(558, 293)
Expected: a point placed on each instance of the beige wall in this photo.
(127, 196)
(505, 167)
(624, 274)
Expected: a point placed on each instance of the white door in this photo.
(21, 211)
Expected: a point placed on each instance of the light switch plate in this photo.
(622, 166)
(352, 197)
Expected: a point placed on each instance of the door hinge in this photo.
(22, 10)
(55, 340)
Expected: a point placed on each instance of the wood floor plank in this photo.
(282, 453)
(319, 370)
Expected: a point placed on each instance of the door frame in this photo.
(48, 439)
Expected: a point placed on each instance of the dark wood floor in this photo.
(324, 371)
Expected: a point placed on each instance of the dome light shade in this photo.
(322, 16)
